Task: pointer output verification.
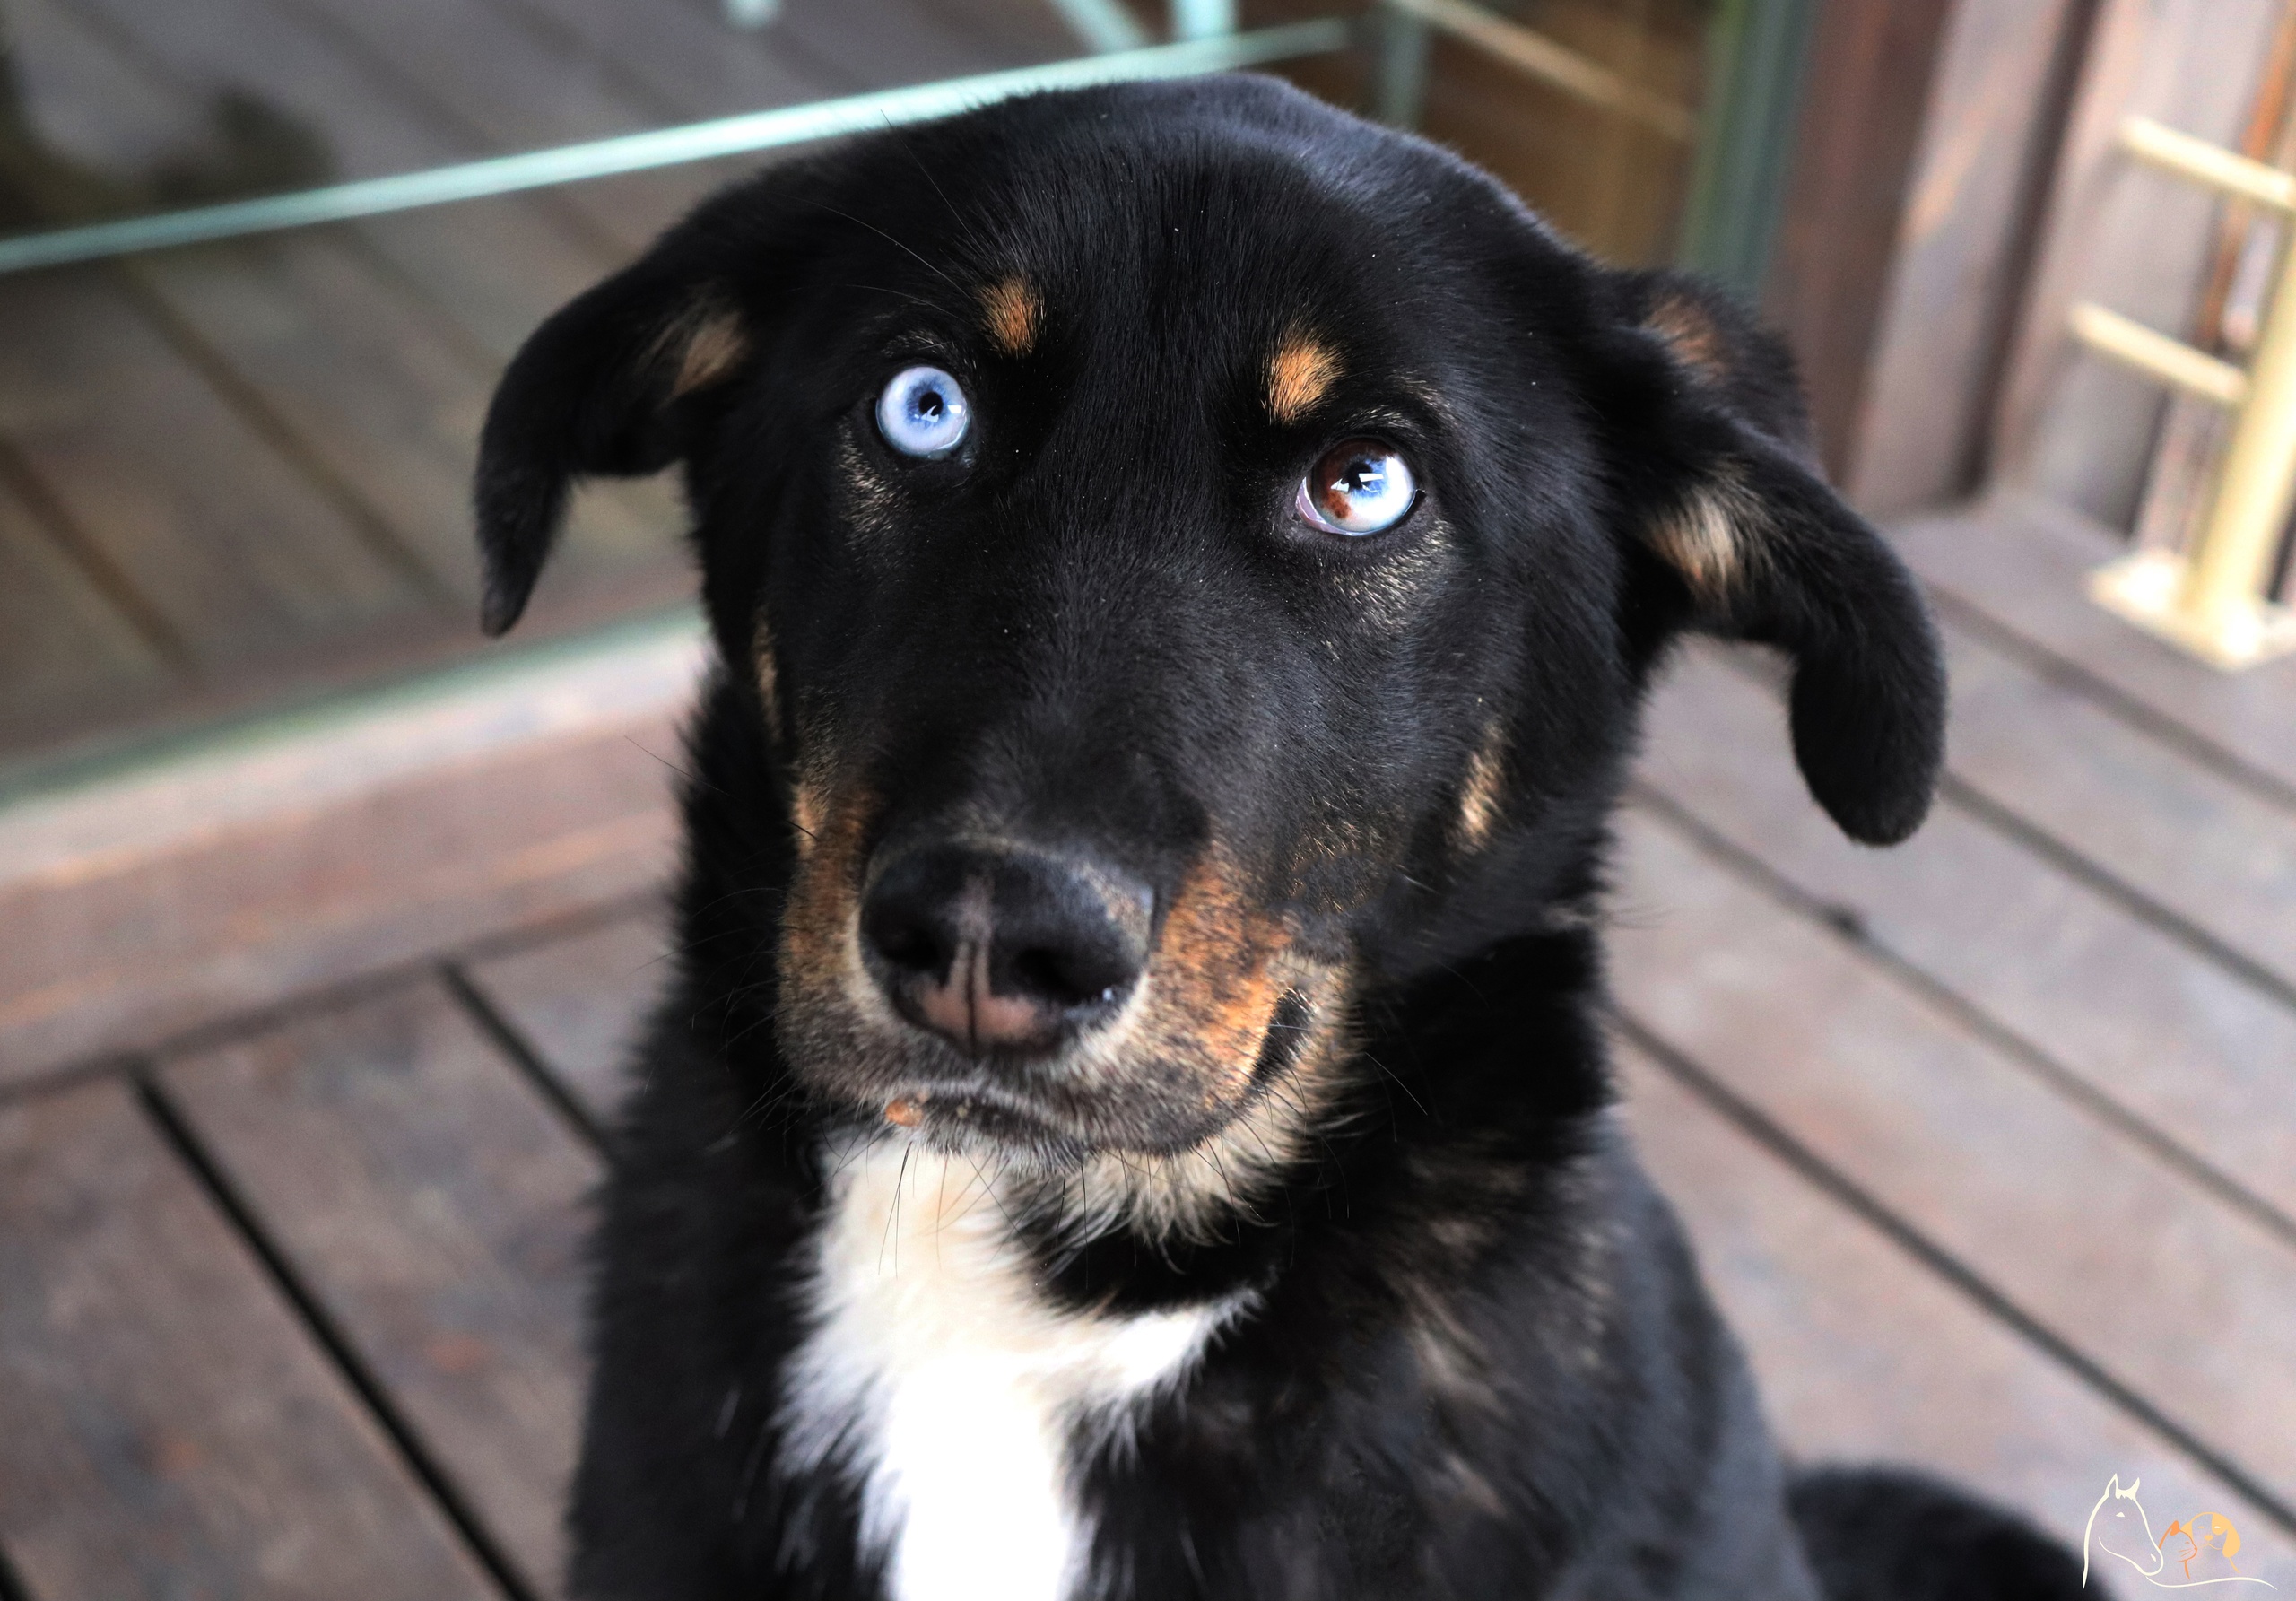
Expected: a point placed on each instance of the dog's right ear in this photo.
(606, 386)
(1716, 477)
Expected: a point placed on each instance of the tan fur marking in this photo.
(1706, 539)
(1015, 313)
(1484, 795)
(711, 343)
(805, 811)
(769, 677)
(819, 928)
(1300, 373)
(1691, 336)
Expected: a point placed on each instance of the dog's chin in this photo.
(1031, 1115)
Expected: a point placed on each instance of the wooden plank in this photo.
(422, 309)
(216, 531)
(1863, 1356)
(432, 1203)
(2074, 426)
(494, 268)
(71, 97)
(166, 1428)
(580, 1002)
(2186, 1047)
(2209, 849)
(143, 903)
(2179, 1296)
(687, 61)
(1989, 140)
(2023, 563)
(65, 651)
(513, 85)
(878, 43)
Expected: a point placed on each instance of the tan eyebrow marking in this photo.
(1015, 313)
(1691, 334)
(1299, 374)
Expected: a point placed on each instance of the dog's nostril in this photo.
(1002, 949)
(1070, 977)
(910, 942)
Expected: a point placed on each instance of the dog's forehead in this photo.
(1199, 237)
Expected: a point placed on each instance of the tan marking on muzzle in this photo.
(1015, 314)
(1213, 986)
(768, 671)
(819, 928)
(1300, 373)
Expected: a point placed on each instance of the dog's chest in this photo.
(950, 1391)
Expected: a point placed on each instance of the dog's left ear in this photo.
(608, 384)
(1716, 477)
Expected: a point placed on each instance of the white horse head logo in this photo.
(2188, 1554)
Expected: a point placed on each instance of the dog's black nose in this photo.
(1000, 949)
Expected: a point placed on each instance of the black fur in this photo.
(1479, 1361)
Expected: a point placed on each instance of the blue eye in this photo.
(1358, 488)
(923, 412)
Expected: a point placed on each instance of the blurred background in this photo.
(322, 922)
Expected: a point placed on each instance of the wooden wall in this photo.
(1965, 240)
(1614, 187)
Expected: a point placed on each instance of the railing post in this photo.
(1203, 18)
(2250, 510)
(2211, 600)
(1400, 93)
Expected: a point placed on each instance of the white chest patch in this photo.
(944, 1383)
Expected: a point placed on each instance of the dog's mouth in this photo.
(1086, 1103)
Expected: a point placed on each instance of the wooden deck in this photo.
(1988, 1146)
(242, 470)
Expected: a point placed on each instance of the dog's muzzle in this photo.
(1003, 950)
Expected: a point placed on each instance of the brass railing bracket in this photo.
(2212, 601)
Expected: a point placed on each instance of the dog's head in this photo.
(1190, 551)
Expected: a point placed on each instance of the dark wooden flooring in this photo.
(240, 471)
(1988, 1144)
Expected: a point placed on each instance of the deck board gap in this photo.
(1958, 792)
(512, 1042)
(57, 1079)
(2022, 1052)
(2061, 672)
(1838, 1186)
(180, 1137)
(113, 585)
(244, 397)
(1966, 798)
(443, 114)
(542, 26)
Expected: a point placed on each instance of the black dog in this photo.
(1133, 1118)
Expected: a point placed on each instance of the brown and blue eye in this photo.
(1358, 488)
(924, 411)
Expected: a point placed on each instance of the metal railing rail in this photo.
(660, 147)
(1205, 46)
(2212, 600)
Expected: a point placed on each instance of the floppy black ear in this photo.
(1720, 482)
(601, 388)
